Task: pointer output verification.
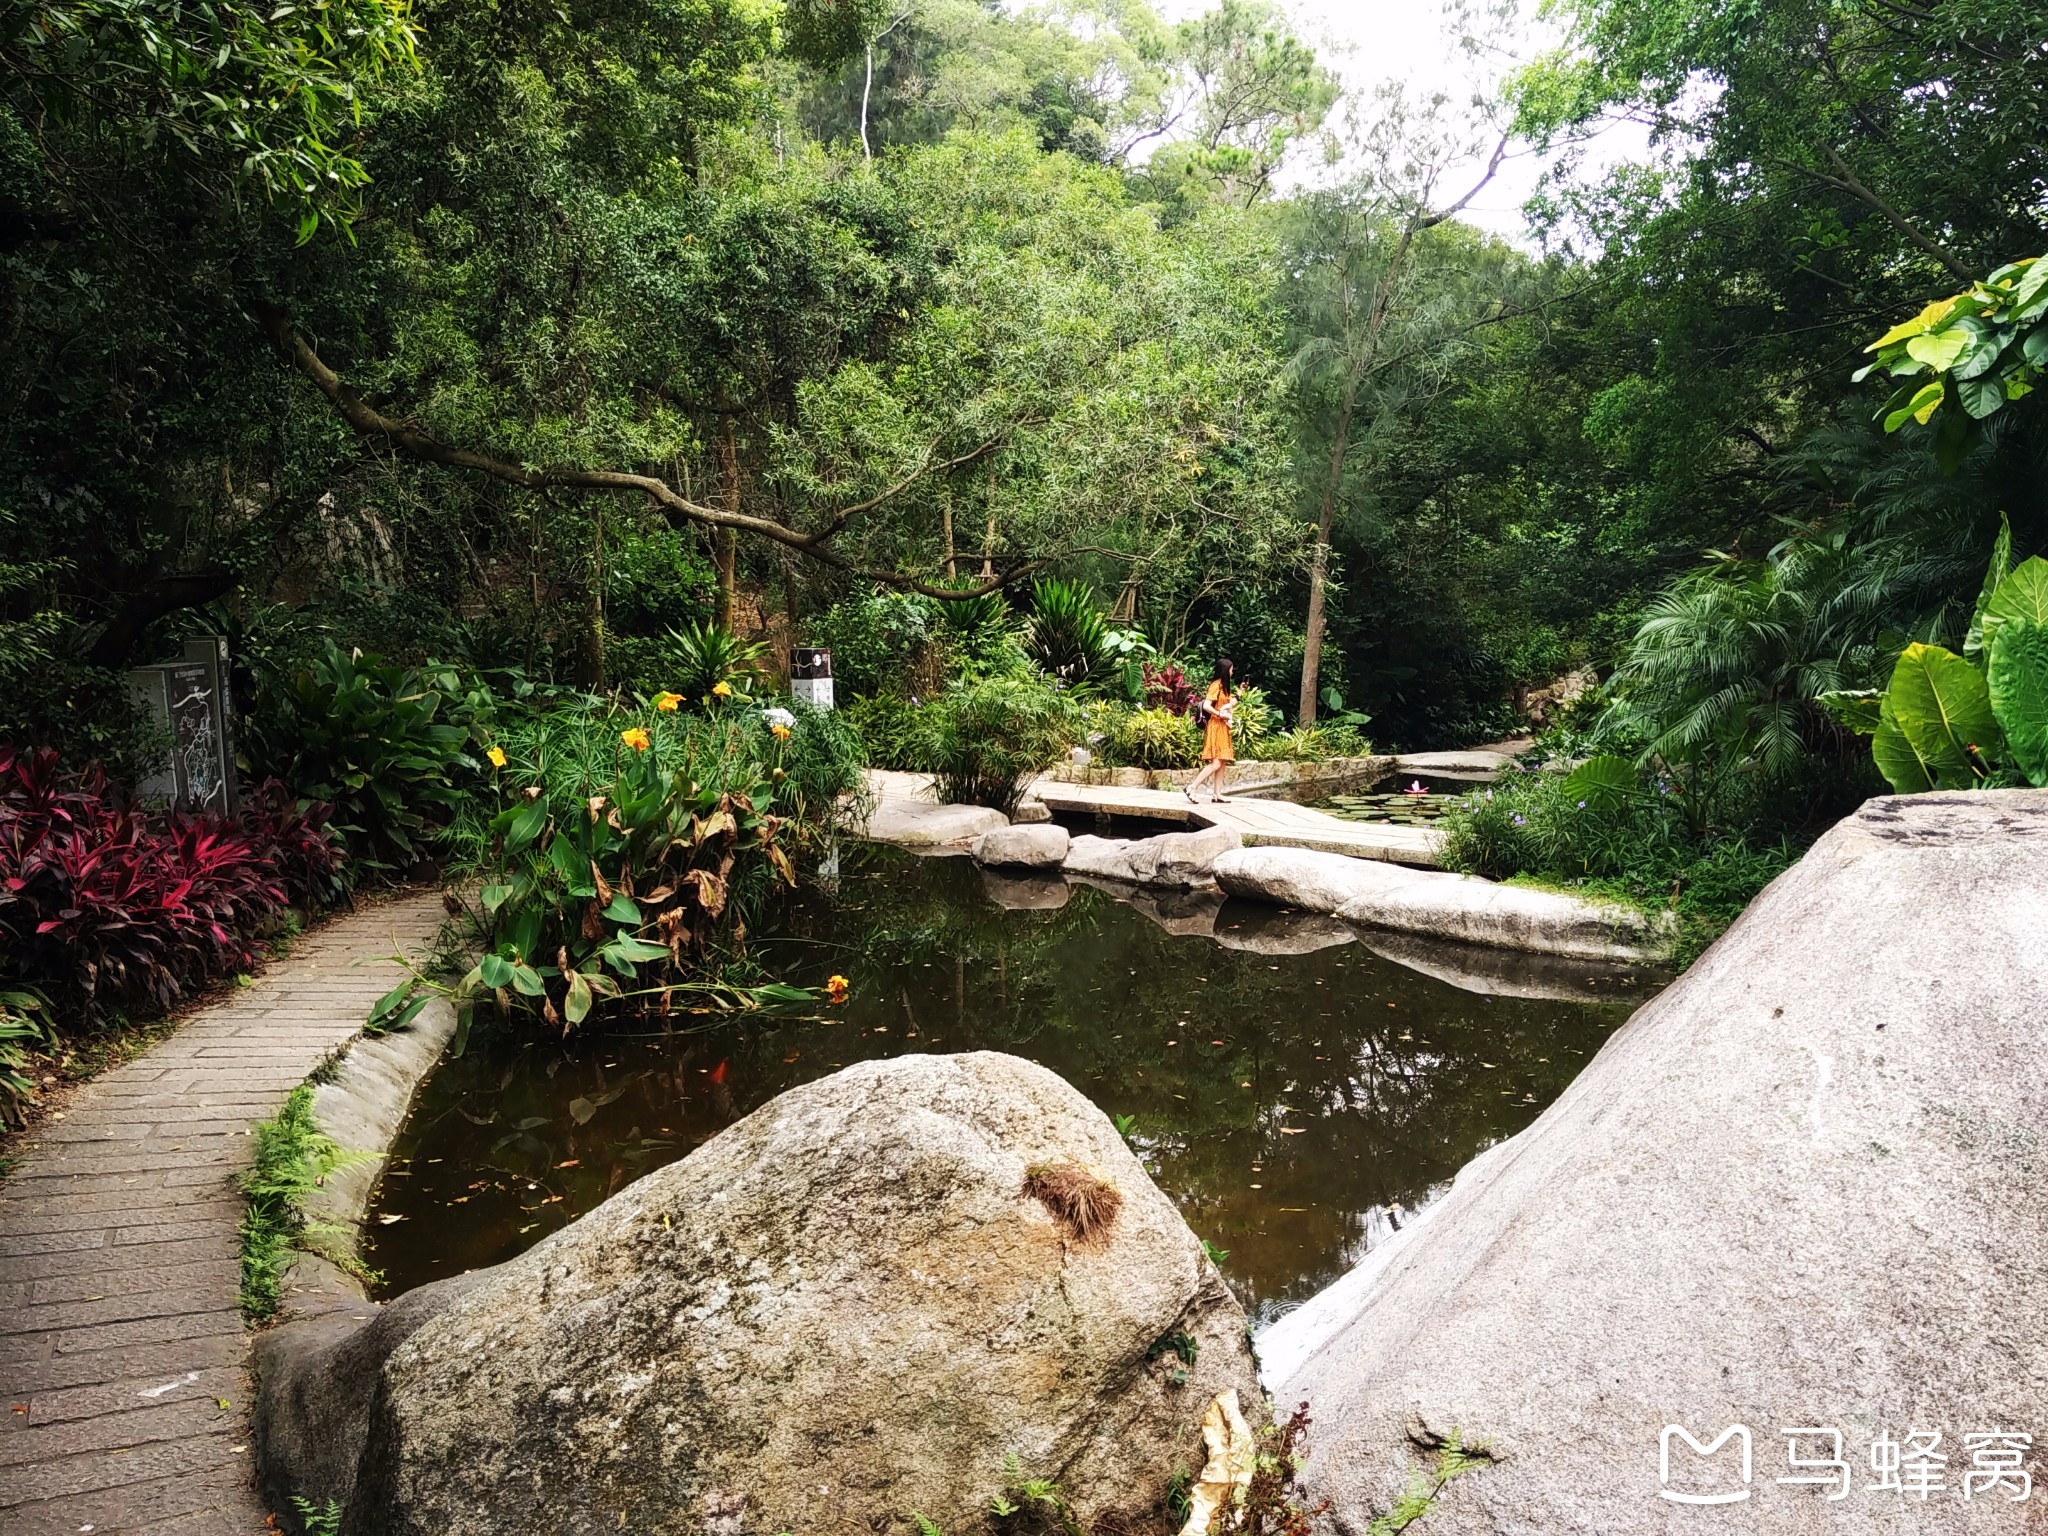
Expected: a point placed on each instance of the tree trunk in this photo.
(946, 516)
(1319, 570)
(725, 541)
(866, 85)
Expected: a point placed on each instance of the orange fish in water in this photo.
(718, 1073)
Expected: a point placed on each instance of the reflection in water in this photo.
(1290, 1089)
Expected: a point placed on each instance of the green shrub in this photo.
(1252, 720)
(1618, 833)
(886, 643)
(1311, 743)
(654, 582)
(1065, 633)
(982, 739)
(889, 731)
(21, 1036)
(1154, 738)
(707, 657)
(389, 747)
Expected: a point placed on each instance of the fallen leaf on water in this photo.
(1293, 1130)
(389, 1218)
(569, 1162)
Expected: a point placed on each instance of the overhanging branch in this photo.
(412, 442)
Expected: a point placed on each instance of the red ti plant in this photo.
(1167, 687)
(108, 908)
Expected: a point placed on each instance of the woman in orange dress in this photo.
(1216, 711)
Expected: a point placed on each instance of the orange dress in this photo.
(1215, 731)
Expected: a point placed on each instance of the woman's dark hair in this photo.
(1222, 674)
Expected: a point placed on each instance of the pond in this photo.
(1294, 1100)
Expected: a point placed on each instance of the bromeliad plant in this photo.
(612, 868)
(1978, 720)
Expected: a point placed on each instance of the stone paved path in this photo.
(119, 1261)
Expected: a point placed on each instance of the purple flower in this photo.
(1582, 805)
(1489, 794)
(1518, 820)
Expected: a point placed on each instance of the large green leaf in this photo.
(2019, 695)
(1942, 706)
(1994, 578)
(1602, 783)
(1853, 709)
(2022, 596)
(1895, 757)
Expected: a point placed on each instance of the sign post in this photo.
(188, 701)
(810, 677)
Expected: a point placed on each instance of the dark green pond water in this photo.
(1295, 1105)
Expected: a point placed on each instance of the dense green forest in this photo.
(476, 351)
(511, 335)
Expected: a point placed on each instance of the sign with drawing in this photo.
(188, 701)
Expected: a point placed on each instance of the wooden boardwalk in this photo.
(1261, 823)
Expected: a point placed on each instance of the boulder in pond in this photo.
(1172, 859)
(842, 1312)
(1803, 1187)
(1372, 893)
(1041, 846)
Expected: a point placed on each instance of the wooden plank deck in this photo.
(1261, 823)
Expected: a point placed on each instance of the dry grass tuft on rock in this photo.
(1085, 1203)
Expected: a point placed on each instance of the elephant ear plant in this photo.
(1975, 720)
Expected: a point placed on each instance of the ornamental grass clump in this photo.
(985, 740)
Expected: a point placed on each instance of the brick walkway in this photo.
(119, 1261)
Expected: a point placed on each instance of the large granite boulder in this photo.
(1372, 893)
(842, 1312)
(1801, 1190)
(1179, 859)
(1039, 846)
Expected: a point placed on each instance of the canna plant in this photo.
(613, 865)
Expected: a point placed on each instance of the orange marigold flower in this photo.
(835, 989)
(667, 702)
(636, 739)
(779, 732)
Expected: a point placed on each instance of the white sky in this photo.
(1370, 41)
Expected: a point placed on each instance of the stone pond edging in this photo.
(361, 1103)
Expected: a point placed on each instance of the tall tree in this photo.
(1378, 307)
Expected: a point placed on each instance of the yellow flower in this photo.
(667, 702)
(636, 739)
(721, 690)
(835, 989)
(497, 757)
(779, 732)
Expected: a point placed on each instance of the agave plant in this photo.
(705, 656)
(1066, 633)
